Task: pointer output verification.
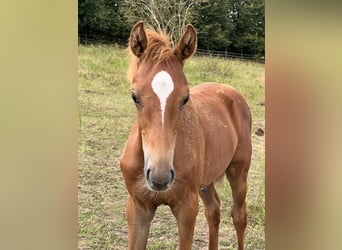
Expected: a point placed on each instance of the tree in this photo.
(169, 16)
(102, 20)
(213, 24)
(226, 25)
(248, 36)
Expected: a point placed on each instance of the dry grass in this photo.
(106, 115)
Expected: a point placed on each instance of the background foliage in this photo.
(236, 26)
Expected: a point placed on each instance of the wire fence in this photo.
(83, 39)
(199, 52)
(229, 55)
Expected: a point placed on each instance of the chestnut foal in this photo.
(182, 142)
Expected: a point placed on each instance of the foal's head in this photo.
(160, 92)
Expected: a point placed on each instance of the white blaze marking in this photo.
(162, 86)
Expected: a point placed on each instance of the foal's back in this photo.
(225, 120)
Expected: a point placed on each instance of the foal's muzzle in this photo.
(160, 180)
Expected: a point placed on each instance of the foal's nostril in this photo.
(172, 176)
(148, 174)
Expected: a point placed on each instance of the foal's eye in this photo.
(135, 99)
(185, 100)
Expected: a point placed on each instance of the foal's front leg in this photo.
(139, 220)
(185, 212)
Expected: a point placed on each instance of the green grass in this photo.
(105, 117)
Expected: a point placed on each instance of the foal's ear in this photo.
(187, 44)
(138, 39)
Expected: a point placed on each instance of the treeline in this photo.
(234, 26)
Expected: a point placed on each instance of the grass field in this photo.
(106, 114)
